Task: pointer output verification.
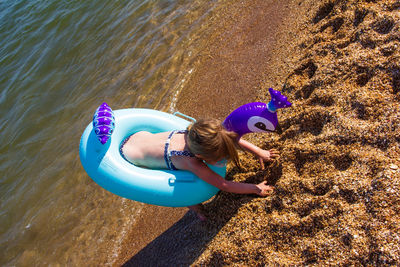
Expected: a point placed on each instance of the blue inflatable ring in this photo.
(105, 165)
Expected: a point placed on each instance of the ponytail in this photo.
(229, 140)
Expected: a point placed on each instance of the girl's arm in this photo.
(263, 155)
(205, 173)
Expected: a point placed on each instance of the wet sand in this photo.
(232, 68)
(337, 184)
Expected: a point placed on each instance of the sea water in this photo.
(59, 60)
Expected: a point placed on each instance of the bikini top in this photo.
(168, 153)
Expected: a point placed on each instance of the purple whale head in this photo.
(103, 123)
(257, 116)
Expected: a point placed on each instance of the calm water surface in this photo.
(58, 61)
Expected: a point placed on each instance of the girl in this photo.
(204, 141)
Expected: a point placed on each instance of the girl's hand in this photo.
(263, 155)
(267, 155)
(265, 189)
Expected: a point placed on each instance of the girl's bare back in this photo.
(147, 149)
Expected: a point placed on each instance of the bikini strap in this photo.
(167, 158)
(168, 153)
(180, 153)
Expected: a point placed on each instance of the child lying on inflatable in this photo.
(205, 141)
(161, 159)
(209, 141)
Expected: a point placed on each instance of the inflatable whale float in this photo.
(99, 151)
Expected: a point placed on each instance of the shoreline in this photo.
(337, 184)
(160, 222)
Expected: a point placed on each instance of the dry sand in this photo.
(337, 183)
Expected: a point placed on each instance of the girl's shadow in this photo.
(187, 239)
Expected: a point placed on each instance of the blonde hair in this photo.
(211, 140)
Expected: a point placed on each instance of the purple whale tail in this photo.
(277, 100)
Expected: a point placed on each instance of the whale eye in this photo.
(261, 126)
(257, 124)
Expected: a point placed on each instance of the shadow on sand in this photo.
(186, 240)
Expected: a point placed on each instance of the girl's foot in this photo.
(199, 210)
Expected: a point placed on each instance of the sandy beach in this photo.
(337, 183)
